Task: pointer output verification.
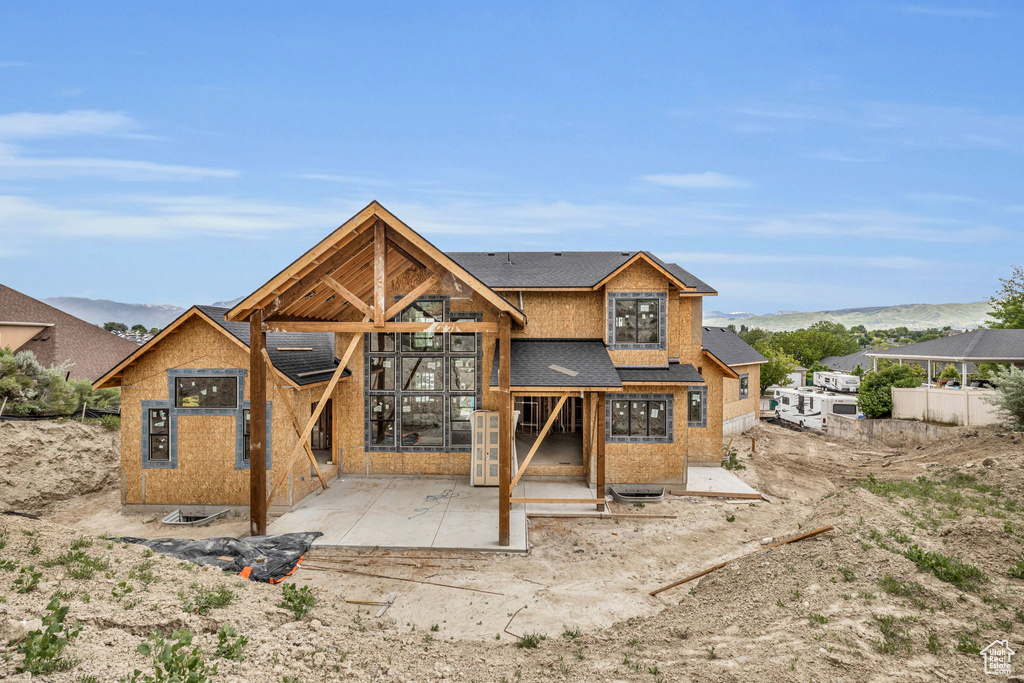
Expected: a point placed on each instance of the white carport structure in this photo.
(977, 346)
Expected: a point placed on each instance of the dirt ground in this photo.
(886, 595)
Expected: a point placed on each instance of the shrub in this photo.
(173, 661)
(199, 600)
(28, 579)
(78, 564)
(952, 570)
(297, 600)
(530, 641)
(1008, 397)
(230, 644)
(875, 396)
(43, 650)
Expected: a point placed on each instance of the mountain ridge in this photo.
(911, 316)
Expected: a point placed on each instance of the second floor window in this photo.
(636, 320)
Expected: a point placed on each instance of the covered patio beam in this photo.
(365, 326)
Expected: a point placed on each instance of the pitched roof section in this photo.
(90, 349)
(847, 363)
(304, 278)
(559, 363)
(301, 367)
(977, 345)
(673, 373)
(549, 269)
(726, 346)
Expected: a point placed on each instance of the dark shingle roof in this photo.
(293, 364)
(977, 345)
(89, 349)
(527, 269)
(532, 360)
(727, 347)
(670, 374)
(847, 363)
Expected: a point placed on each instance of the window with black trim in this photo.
(744, 386)
(199, 391)
(639, 418)
(159, 435)
(636, 320)
(696, 410)
(421, 387)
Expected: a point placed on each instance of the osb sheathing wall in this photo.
(348, 396)
(206, 473)
(640, 277)
(562, 314)
(650, 463)
(734, 407)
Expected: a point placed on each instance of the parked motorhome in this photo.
(837, 381)
(811, 407)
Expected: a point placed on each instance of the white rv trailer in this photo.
(811, 407)
(837, 381)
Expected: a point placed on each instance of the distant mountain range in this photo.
(99, 311)
(911, 316)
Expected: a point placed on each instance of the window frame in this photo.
(614, 298)
(630, 399)
(166, 433)
(744, 386)
(445, 393)
(703, 392)
(179, 378)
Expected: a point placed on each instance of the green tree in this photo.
(875, 397)
(31, 389)
(154, 330)
(755, 335)
(949, 372)
(1008, 396)
(1008, 303)
(776, 370)
(141, 329)
(115, 327)
(823, 338)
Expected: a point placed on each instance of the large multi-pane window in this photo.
(198, 391)
(639, 418)
(421, 387)
(636, 320)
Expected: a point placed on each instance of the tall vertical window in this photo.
(159, 435)
(245, 435)
(696, 410)
(421, 387)
(744, 386)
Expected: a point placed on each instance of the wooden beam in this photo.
(600, 449)
(409, 298)
(504, 427)
(257, 426)
(717, 494)
(540, 437)
(294, 418)
(297, 450)
(380, 272)
(294, 291)
(556, 501)
(346, 294)
(278, 325)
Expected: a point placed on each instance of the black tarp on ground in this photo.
(271, 558)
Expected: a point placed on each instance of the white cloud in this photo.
(853, 262)
(875, 225)
(940, 198)
(13, 65)
(14, 166)
(76, 122)
(343, 179)
(845, 157)
(951, 12)
(695, 181)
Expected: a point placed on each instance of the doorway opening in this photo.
(321, 438)
(563, 444)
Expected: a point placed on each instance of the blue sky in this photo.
(795, 155)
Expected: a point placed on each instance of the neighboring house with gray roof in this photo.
(964, 351)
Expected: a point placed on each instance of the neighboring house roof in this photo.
(302, 368)
(544, 269)
(89, 349)
(726, 346)
(559, 363)
(982, 345)
(673, 373)
(848, 363)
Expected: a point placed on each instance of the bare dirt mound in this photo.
(45, 462)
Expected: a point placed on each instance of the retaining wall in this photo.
(886, 432)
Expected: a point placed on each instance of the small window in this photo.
(382, 420)
(159, 436)
(423, 342)
(382, 341)
(206, 392)
(423, 420)
(845, 409)
(463, 374)
(461, 420)
(695, 407)
(382, 374)
(246, 444)
(744, 386)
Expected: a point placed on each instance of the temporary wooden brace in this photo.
(600, 450)
(540, 437)
(257, 426)
(556, 501)
(297, 450)
(801, 537)
(716, 494)
(591, 515)
(291, 414)
(504, 427)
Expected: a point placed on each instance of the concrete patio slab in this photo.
(715, 480)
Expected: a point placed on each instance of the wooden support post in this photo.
(600, 450)
(257, 426)
(586, 436)
(380, 273)
(280, 384)
(504, 427)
